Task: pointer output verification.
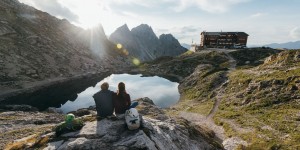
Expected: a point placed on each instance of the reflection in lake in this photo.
(163, 92)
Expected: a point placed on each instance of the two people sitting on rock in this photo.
(108, 101)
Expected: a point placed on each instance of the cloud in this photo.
(185, 30)
(183, 34)
(211, 6)
(161, 31)
(142, 3)
(295, 33)
(256, 15)
(189, 29)
(128, 14)
(54, 8)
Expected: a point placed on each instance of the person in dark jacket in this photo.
(121, 100)
(104, 102)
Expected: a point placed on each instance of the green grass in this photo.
(267, 107)
(205, 85)
(269, 110)
(252, 55)
(203, 108)
(281, 118)
(277, 111)
(189, 52)
(279, 74)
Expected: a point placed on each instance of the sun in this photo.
(89, 18)
(90, 14)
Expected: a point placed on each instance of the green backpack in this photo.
(70, 125)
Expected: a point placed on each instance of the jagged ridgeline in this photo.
(37, 46)
(141, 42)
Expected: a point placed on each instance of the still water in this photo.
(163, 92)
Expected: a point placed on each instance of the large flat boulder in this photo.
(156, 133)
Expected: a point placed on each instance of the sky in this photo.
(266, 21)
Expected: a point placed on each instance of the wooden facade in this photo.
(223, 39)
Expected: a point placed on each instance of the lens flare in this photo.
(125, 52)
(136, 62)
(119, 46)
(97, 42)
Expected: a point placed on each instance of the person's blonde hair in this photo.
(104, 86)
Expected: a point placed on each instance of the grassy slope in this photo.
(263, 99)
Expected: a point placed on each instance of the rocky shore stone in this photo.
(155, 134)
(108, 134)
(18, 108)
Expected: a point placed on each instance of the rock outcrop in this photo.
(36, 47)
(185, 65)
(23, 124)
(107, 134)
(158, 132)
(141, 42)
(170, 46)
(155, 134)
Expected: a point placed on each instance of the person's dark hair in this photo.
(121, 88)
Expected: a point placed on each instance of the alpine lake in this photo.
(163, 92)
(74, 94)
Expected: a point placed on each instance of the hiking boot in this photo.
(100, 118)
(112, 117)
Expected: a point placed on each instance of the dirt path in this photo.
(218, 100)
(237, 127)
(221, 89)
(207, 121)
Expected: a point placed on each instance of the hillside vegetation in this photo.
(267, 100)
(253, 94)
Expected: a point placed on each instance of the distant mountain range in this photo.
(288, 45)
(187, 46)
(141, 42)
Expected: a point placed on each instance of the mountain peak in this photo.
(142, 42)
(166, 36)
(123, 28)
(170, 39)
(142, 28)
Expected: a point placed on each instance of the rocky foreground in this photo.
(34, 131)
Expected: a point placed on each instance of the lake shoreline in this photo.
(162, 91)
(28, 96)
(46, 83)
